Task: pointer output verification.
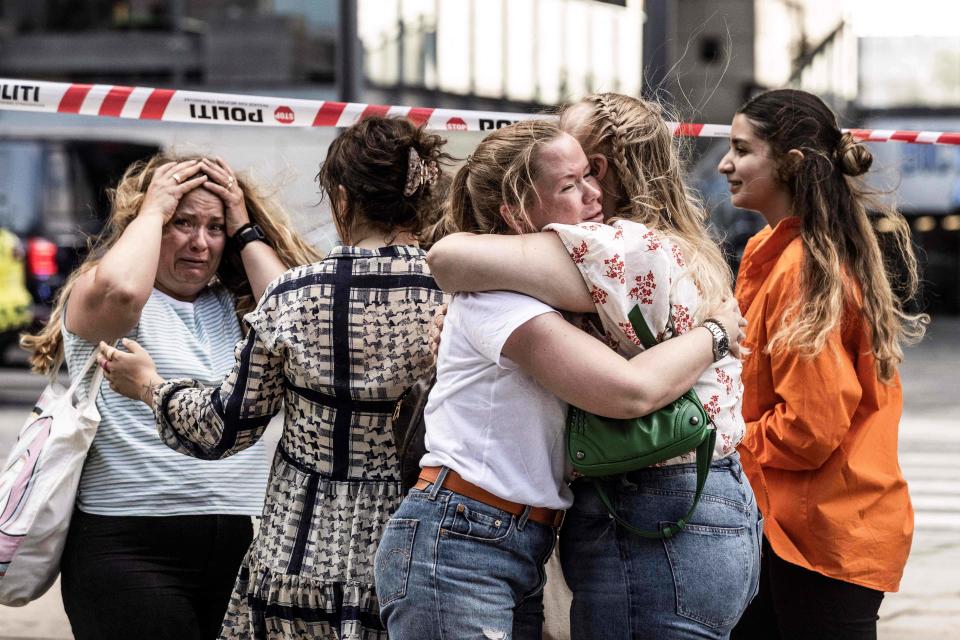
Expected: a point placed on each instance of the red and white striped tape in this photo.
(175, 105)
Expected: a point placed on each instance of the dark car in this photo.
(53, 198)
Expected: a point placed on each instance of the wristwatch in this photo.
(246, 234)
(721, 343)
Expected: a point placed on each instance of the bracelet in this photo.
(721, 342)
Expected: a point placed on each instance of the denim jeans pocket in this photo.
(471, 520)
(712, 571)
(393, 559)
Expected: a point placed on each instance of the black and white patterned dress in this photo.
(336, 341)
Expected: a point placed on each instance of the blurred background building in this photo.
(880, 64)
(212, 43)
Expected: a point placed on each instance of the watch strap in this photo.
(721, 342)
(248, 233)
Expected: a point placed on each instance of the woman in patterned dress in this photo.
(463, 556)
(157, 538)
(654, 253)
(335, 343)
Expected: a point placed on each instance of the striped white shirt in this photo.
(129, 471)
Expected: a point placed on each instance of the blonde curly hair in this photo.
(46, 346)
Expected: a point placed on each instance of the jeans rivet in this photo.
(461, 508)
(496, 523)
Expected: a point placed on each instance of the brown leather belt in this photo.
(455, 482)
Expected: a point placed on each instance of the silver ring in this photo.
(176, 178)
(229, 182)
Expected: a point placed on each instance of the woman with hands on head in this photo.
(157, 538)
(653, 252)
(184, 262)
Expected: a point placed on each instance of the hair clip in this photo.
(420, 172)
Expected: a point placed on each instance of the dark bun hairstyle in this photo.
(372, 161)
(853, 157)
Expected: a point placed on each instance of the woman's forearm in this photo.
(534, 264)
(677, 364)
(586, 373)
(106, 301)
(262, 266)
(190, 421)
(126, 274)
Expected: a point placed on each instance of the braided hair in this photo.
(642, 153)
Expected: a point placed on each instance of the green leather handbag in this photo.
(600, 447)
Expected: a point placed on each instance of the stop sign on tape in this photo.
(284, 115)
(456, 124)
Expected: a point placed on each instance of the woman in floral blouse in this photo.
(654, 253)
(335, 343)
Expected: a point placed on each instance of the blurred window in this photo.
(57, 192)
(20, 180)
(79, 15)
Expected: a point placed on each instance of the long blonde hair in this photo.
(840, 242)
(46, 346)
(501, 170)
(641, 151)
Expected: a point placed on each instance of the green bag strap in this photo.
(704, 452)
(648, 340)
(640, 327)
(704, 457)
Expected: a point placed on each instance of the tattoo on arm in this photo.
(146, 393)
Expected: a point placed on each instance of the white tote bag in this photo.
(38, 487)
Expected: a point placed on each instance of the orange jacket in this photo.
(821, 443)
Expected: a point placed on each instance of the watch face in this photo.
(725, 346)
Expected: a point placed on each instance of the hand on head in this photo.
(171, 181)
(222, 182)
(168, 185)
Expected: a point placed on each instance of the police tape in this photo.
(176, 105)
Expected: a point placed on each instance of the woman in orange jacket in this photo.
(822, 397)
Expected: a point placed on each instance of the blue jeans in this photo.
(694, 585)
(451, 568)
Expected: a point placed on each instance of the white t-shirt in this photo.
(487, 419)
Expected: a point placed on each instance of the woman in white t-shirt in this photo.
(463, 556)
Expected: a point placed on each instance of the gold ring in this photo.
(176, 178)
